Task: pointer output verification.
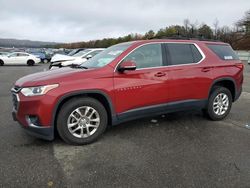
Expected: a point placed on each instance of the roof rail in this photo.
(190, 38)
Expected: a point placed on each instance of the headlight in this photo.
(39, 90)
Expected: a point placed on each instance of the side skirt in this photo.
(154, 110)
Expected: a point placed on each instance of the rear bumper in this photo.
(46, 133)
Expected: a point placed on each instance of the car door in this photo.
(22, 58)
(145, 86)
(188, 79)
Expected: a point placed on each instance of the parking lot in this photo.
(177, 150)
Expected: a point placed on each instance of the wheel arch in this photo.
(96, 94)
(226, 82)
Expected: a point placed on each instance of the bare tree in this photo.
(216, 27)
(186, 23)
(245, 23)
(194, 26)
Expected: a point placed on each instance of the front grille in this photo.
(15, 101)
(16, 89)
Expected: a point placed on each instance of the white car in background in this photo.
(58, 60)
(19, 58)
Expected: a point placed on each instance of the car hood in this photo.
(47, 77)
(60, 57)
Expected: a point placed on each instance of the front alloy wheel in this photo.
(81, 120)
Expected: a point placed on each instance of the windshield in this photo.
(72, 52)
(4, 53)
(106, 56)
(81, 53)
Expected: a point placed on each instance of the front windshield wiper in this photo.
(78, 66)
(74, 66)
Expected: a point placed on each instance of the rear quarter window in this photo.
(224, 52)
(181, 54)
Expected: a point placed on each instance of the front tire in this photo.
(30, 62)
(81, 121)
(1, 62)
(219, 103)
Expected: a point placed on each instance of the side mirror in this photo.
(89, 56)
(127, 65)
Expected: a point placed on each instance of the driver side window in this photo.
(13, 55)
(149, 55)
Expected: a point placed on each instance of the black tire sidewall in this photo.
(1, 62)
(68, 108)
(210, 112)
(30, 62)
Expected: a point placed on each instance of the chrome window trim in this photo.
(201, 52)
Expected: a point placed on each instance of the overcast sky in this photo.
(81, 20)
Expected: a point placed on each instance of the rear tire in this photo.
(81, 121)
(30, 62)
(1, 62)
(219, 103)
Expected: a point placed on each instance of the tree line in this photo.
(238, 36)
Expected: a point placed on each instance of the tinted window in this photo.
(81, 53)
(13, 55)
(224, 52)
(21, 54)
(149, 55)
(196, 54)
(183, 54)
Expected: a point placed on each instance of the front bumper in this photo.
(46, 133)
(34, 114)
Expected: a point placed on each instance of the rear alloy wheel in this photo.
(30, 62)
(1, 62)
(81, 121)
(219, 103)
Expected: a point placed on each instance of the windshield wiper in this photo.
(78, 66)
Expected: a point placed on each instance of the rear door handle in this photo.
(160, 74)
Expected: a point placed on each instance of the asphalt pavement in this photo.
(174, 150)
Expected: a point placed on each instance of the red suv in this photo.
(125, 82)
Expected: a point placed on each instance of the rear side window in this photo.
(183, 54)
(225, 52)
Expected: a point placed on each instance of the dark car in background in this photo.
(40, 53)
(42, 56)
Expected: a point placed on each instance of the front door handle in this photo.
(160, 74)
(206, 69)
